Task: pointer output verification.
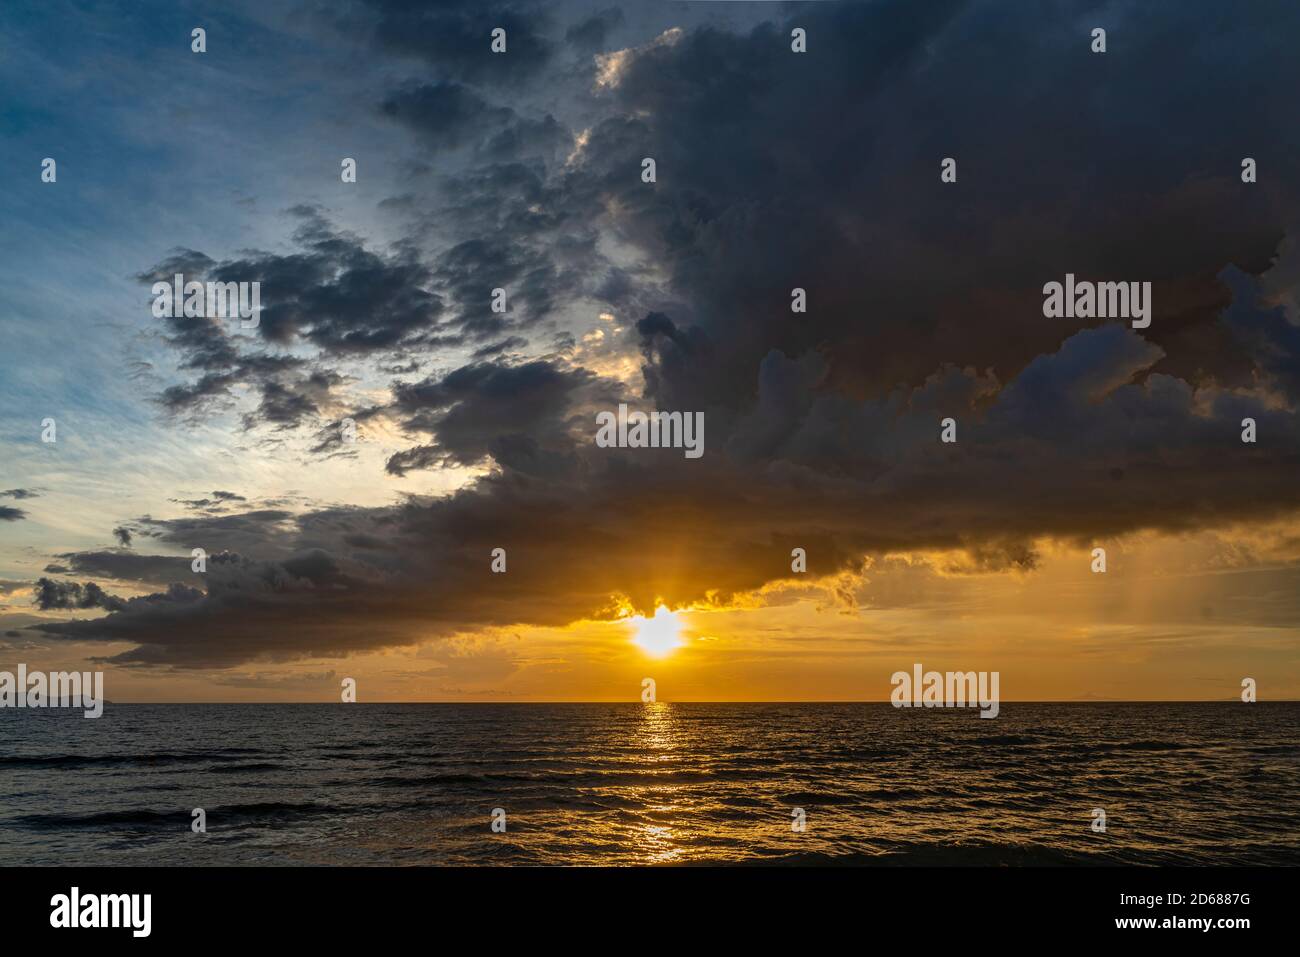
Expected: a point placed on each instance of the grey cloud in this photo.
(447, 115)
(497, 348)
(523, 416)
(453, 38)
(60, 595)
(125, 566)
(591, 33)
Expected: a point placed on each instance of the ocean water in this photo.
(648, 784)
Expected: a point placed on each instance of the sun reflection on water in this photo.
(657, 738)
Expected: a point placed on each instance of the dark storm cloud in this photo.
(820, 171)
(205, 347)
(522, 416)
(202, 342)
(337, 294)
(333, 294)
(19, 493)
(528, 138)
(591, 33)
(182, 261)
(287, 404)
(349, 301)
(446, 114)
(124, 566)
(275, 592)
(452, 39)
(59, 595)
(228, 532)
(503, 197)
(497, 348)
(197, 395)
(904, 273)
(1266, 335)
(414, 459)
(10, 514)
(534, 276)
(123, 536)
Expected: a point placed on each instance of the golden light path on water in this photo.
(658, 842)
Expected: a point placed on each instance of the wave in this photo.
(147, 817)
(73, 761)
(985, 854)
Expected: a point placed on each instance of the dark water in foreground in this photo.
(635, 784)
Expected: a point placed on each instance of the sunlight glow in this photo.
(657, 636)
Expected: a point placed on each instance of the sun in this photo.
(657, 636)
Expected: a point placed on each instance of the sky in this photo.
(350, 465)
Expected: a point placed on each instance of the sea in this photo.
(651, 784)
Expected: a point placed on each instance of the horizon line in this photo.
(715, 701)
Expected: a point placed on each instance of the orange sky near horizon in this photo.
(1173, 618)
